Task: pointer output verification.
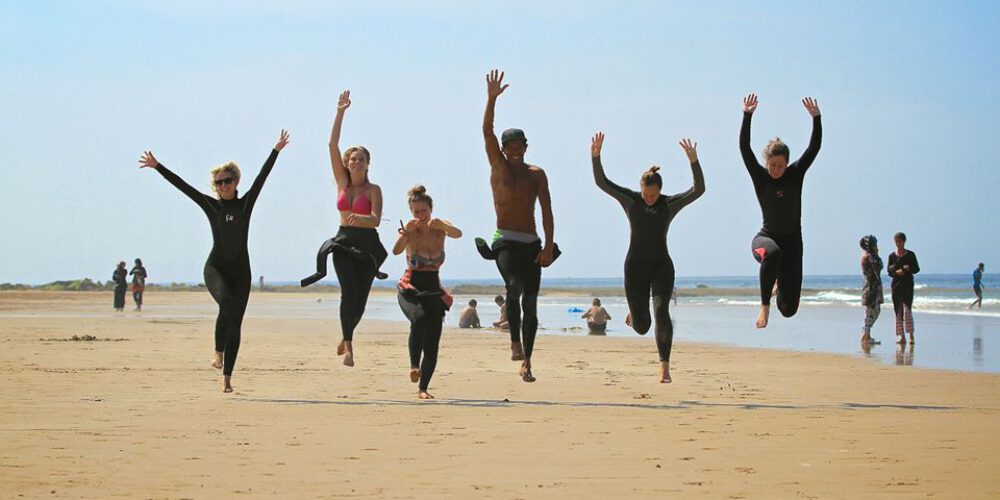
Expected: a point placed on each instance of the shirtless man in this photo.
(520, 255)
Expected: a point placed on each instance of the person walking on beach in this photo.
(902, 266)
(520, 255)
(120, 277)
(469, 317)
(597, 318)
(227, 270)
(648, 266)
(778, 245)
(872, 296)
(977, 286)
(357, 252)
(420, 296)
(501, 322)
(138, 273)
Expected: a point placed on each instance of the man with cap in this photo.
(519, 253)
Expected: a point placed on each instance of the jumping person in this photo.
(520, 255)
(357, 251)
(120, 277)
(902, 266)
(778, 245)
(872, 296)
(138, 283)
(977, 286)
(227, 270)
(648, 266)
(421, 297)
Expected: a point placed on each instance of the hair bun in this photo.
(417, 190)
(654, 169)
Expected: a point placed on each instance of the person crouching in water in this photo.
(597, 318)
(421, 297)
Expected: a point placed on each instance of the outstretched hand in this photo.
(750, 103)
(812, 106)
(147, 160)
(494, 83)
(596, 144)
(282, 140)
(344, 101)
(690, 149)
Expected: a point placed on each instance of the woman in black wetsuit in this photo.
(120, 277)
(421, 297)
(357, 251)
(648, 265)
(902, 266)
(778, 245)
(227, 270)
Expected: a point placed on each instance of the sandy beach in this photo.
(139, 414)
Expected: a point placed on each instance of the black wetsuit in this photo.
(778, 245)
(227, 270)
(648, 265)
(902, 286)
(120, 277)
(424, 306)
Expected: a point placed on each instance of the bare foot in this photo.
(424, 395)
(341, 348)
(525, 372)
(765, 312)
(226, 386)
(628, 319)
(911, 339)
(665, 372)
(217, 361)
(414, 375)
(902, 340)
(349, 358)
(516, 353)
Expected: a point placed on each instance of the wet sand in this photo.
(139, 413)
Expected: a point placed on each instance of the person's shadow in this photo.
(904, 357)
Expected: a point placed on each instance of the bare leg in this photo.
(341, 348)
(414, 375)
(516, 352)
(217, 361)
(765, 312)
(665, 372)
(424, 395)
(348, 353)
(226, 386)
(525, 371)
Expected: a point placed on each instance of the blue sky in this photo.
(907, 91)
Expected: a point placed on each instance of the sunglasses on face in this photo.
(226, 180)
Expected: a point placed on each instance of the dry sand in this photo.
(145, 417)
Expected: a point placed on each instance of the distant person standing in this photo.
(597, 318)
(120, 277)
(469, 317)
(138, 283)
(902, 266)
(872, 296)
(977, 286)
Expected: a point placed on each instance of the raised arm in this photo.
(251, 197)
(624, 196)
(340, 174)
(815, 140)
(548, 225)
(680, 200)
(494, 87)
(147, 160)
(749, 160)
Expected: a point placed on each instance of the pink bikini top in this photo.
(362, 205)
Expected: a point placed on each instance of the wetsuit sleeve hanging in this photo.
(624, 196)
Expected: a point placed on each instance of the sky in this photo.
(907, 91)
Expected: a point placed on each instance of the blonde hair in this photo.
(229, 166)
(345, 158)
(418, 194)
(775, 147)
(652, 178)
